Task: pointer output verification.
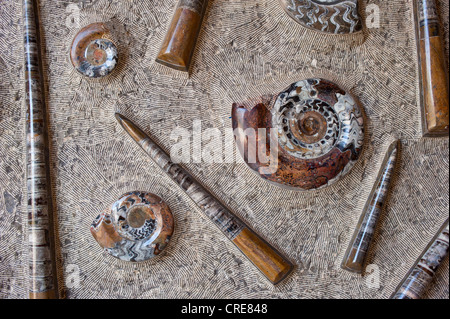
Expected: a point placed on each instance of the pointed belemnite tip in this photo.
(119, 117)
(124, 122)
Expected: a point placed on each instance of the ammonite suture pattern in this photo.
(319, 133)
(93, 54)
(330, 16)
(138, 227)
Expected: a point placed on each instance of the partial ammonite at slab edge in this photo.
(329, 16)
(138, 227)
(311, 138)
(93, 53)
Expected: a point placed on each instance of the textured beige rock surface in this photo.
(247, 48)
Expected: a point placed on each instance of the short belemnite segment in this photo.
(138, 227)
(92, 53)
(179, 44)
(329, 16)
(434, 71)
(356, 254)
(416, 282)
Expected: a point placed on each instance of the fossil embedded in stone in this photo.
(330, 16)
(93, 54)
(138, 227)
(318, 130)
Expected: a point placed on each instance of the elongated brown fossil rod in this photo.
(433, 70)
(179, 43)
(266, 258)
(356, 254)
(42, 266)
(417, 280)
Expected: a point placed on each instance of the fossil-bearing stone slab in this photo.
(319, 135)
(92, 53)
(330, 16)
(138, 227)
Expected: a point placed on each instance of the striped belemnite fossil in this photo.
(179, 44)
(329, 16)
(266, 258)
(356, 254)
(93, 53)
(138, 227)
(43, 282)
(319, 133)
(418, 279)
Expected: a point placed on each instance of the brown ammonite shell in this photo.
(310, 139)
(329, 16)
(92, 53)
(138, 227)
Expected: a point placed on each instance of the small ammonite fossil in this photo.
(138, 227)
(329, 16)
(93, 54)
(311, 137)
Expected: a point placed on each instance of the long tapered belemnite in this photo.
(333, 17)
(266, 258)
(416, 282)
(179, 43)
(42, 267)
(433, 70)
(356, 254)
(309, 135)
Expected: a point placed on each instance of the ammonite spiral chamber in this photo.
(311, 137)
(93, 53)
(138, 227)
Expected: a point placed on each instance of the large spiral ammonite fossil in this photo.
(311, 138)
(330, 16)
(138, 227)
(93, 54)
